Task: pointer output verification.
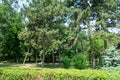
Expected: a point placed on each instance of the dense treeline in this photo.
(58, 30)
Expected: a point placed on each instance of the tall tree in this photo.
(95, 10)
(11, 24)
(44, 19)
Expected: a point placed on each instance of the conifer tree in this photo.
(45, 18)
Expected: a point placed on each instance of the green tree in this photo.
(10, 26)
(45, 20)
(112, 59)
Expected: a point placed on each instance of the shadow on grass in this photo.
(29, 65)
(7, 64)
(50, 65)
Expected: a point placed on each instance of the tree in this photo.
(99, 10)
(112, 59)
(44, 24)
(10, 26)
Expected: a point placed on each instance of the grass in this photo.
(6, 64)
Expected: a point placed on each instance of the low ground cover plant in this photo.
(57, 74)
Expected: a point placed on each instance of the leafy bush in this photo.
(66, 61)
(80, 61)
(112, 59)
(57, 74)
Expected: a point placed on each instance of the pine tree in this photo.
(45, 18)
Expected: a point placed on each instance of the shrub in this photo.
(80, 61)
(66, 61)
(57, 74)
(112, 59)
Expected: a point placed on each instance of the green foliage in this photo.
(66, 61)
(98, 47)
(57, 74)
(80, 61)
(111, 38)
(112, 59)
(44, 30)
(9, 27)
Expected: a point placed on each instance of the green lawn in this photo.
(28, 65)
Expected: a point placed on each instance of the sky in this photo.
(20, 3)
(114, 30)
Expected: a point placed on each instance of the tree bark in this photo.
(36, 56)
(43, 60)
(17, 60)
(105, 46)
(92, 53)
(93, 61)
(26, 56)
(76, 43)
(82, 49)
(91, 46)
(36, 59)
(59, 58)
(53, 58)
(29, 59)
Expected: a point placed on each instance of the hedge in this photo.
(57, 74)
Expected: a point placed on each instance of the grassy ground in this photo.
(28, 65)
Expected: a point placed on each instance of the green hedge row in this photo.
(57, 74)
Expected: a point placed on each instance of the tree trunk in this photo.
(76, 43)
(92, 53)
(59, 58)
(36, 56)
(105, 46)
(26, 56)
(53, 58)
(93, 62)
(36, 59)
(82, 49)
(43, 60)
(29, 59)
(91, 46)
(17, 60)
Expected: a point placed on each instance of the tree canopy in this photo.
(46, 30)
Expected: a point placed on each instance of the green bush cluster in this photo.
(57, 74)
(79, 61)
(112, 59)
(66, 61)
